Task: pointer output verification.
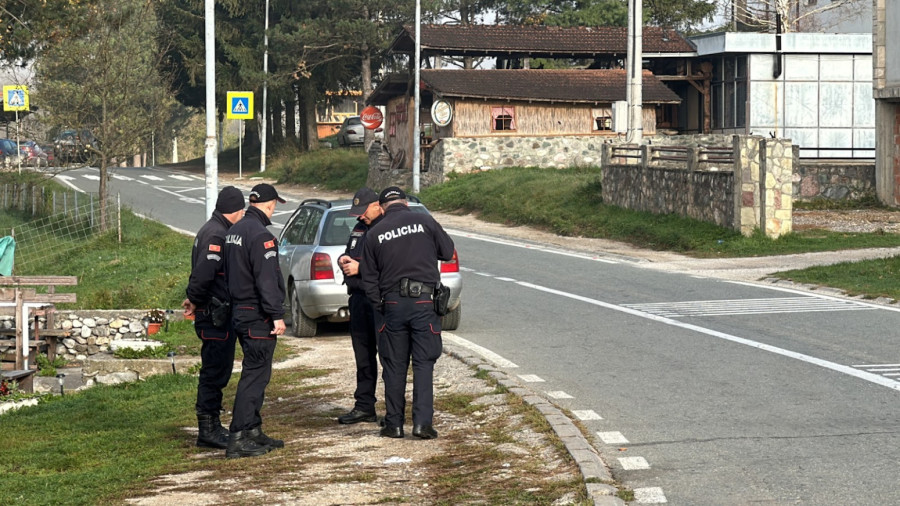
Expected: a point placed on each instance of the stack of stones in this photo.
(90, 333)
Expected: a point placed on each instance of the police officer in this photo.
(400, 273)
(206, 289)
(257, 294)
(362, 316)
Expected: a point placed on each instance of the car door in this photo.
(289, 241)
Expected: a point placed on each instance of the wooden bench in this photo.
(23, 378)
(28, 338)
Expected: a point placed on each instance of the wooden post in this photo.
(20, 345)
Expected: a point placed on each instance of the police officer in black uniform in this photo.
(206, 289)
(257, 294)
(400, 273)
(362, 316)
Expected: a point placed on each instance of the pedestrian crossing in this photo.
(747, 306)
(144, 177)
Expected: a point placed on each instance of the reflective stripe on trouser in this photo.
(411, 328)
(362, 336)
(217, 362)
(258, 345)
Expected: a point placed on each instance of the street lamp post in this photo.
(265, 110)
(211, 160)
(634, 58)
(416, 146)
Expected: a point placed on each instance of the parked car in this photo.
(352, 132)
(78, 146)
(9, 153)
(309, 245)
(34, 156)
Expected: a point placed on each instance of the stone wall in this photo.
(833, 180)
(483, 153)
(702, 195)
(91, 331)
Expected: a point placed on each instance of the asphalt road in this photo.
(698, 390)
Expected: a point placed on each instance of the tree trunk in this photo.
(368, 135)
(277, 118)
(310, 138)
(290, 119)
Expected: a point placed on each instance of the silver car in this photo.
(309, 245)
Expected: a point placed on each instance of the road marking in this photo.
(559, 394)
(91, 177)
(746, 306)
(531, 378)
(534, 247)
(152, 177)
(612, 438)
(586, 414)
(634, 463)
(505, 279)
(649, 495)
(484, 352)
(181, 178)
(120, 177)
(843, 369)
(485, 274)
(886, 370)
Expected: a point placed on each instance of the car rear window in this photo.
(338, 225)
(354, 121)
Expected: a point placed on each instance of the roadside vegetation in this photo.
(343, 169)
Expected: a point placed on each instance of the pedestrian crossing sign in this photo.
(240, 105)
(15, 98)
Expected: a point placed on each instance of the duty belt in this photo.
(410, 288)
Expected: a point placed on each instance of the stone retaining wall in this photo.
(91, 331)
(833, 180)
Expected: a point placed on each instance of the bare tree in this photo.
(107, 81)
(791, 15)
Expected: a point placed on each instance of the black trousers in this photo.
(216, 364)
(363, 338)
(411, 329)
(258, 344)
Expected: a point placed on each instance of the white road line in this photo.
(747, 306)
(180, 177)
(485, 274)
(559, 394)
(843, 369)
(152, 177)
(535, 247)
(531, 378)
(505, 279)
(612, 438)
(122, 178)
(877, 365)
(634, 463)
(649, 495)
(484, 352)
(92, 177)
(586, 414)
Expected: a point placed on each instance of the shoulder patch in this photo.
(269, 244)
(215, 247)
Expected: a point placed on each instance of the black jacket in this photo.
(208, 264)
(404, 244)
(354, 250)
(251, 266)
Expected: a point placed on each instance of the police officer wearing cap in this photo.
(205, 291)
(399, 274)
(362, 315)
(257, 294)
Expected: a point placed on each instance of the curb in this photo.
(594, 472)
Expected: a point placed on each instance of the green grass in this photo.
(568, 202)
(870, 278)
(333, 169)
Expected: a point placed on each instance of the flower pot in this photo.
(153, 328)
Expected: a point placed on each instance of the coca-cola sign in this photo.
(371, 117)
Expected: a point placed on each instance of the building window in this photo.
(602, 120)
(503, 118)
(729, 92)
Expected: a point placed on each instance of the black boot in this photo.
(241, 445)
(211, 434)
(260, 437)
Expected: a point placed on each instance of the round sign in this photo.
(441, 113)
(371, 117)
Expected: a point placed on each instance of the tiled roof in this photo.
(537, 41)
(571, 85)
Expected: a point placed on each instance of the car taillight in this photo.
(320, 268)
(451, 265)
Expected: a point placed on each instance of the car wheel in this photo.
(303, 326)
(450, 321)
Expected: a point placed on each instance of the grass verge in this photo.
(343, 169)
(568, 202)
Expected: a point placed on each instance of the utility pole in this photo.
(416, 146)
(265, 110)
(634, 58)
(211, 158)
